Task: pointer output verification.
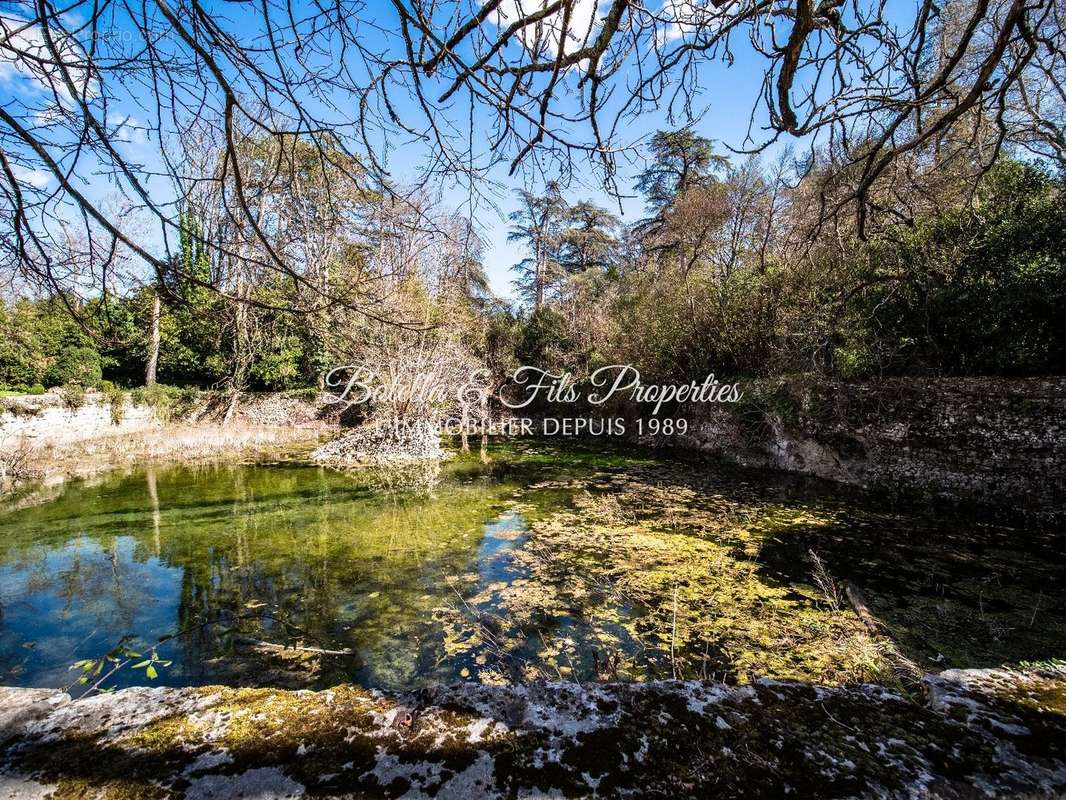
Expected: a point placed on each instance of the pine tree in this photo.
(680, 160)
(589, 240)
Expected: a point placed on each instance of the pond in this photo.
(527, 562)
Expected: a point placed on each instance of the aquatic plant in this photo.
(545, 562)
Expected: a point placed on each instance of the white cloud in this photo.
(127, 129)
(544, 37)
(24, 52)
(685, 17)
(680, 18)
(35, 178)
(48, 115)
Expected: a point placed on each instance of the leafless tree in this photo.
(111, 92)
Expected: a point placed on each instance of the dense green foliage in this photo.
(721, 277)
(41, 344)
(978, 290)
(718, 280)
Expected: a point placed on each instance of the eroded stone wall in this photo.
(44, 419)
(989, 441)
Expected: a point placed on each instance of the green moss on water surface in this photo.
(531, 561)
(663, 581)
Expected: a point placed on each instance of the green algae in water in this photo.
(543, 563)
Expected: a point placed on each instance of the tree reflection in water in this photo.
(519, 562)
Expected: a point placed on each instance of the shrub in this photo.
(168, 402)
(543, 339)
(79, 365)
(16, 461)
(309, 393)
(975, 291)
(20, 349)
(118, 407)
(116, 399)
(156, 397)
(73, 395)
(14, 407)
(185, 401)
(278, 365)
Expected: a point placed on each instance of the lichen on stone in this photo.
(658, 739)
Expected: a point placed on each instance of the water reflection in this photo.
(503, 565)
(239, 558)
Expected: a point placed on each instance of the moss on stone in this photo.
(112, 789)
(665, 739)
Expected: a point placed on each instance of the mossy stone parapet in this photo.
(981, 733)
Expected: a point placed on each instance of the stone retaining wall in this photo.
(44, 419)
(989, 441)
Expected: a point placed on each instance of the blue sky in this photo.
(728, 95)
(726, 99)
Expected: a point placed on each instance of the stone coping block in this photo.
(977, 733)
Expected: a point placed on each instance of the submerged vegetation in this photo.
(658, 584)
(536, 562)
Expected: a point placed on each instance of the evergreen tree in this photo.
(589, 240)
(680, 160)
(539, 224)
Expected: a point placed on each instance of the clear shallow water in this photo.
(238, 556)
(468, 573)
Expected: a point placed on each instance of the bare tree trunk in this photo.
(463, 422)
(153, 342)
(485, 427)
(538, 277)
(242, 352)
